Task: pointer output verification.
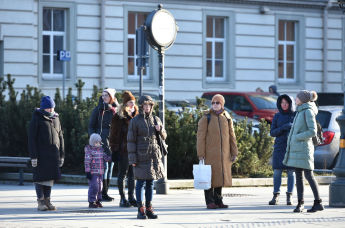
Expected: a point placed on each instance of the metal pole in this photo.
(162, 185)
(63, 79)
(337, 187)
(141, 81)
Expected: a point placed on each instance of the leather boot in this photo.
(141, 212)
(317, 206)
(149, 211)
(289, 198)
(275, 199)
(41, 206)
(300, 206)
(105, 196)
(124, 202)
(49, 205)
(132, 201)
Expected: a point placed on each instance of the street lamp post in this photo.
(337, 187)
(161, 30)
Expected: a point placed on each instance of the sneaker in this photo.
(99, 204)
(93, 205)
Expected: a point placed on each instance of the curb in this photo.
(173, 184)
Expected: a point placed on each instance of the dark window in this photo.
(324, 118)
(264, 102)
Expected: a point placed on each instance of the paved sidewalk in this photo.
(181, 208)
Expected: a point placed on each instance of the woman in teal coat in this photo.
(300, 148)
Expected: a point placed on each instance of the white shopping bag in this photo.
(202, 175)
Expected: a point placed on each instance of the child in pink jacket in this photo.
(94, 169)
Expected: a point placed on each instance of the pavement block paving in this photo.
(248, 207)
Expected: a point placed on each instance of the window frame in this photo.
(69, 44)
(228, 81)
(299, 48)
(152, 80)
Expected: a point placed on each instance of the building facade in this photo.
(221, 45)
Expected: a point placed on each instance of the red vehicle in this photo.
(252, 104)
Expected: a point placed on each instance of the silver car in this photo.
(326, 154)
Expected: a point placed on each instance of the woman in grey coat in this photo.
(144, 154)
(300, 148)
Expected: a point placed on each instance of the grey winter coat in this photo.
(300, 147)
(46, 144)
(143, 149)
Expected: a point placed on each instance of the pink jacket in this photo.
(94, 159)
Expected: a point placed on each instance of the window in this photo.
(53, 39)
(135, 20)
(215, 48)
(287, 50)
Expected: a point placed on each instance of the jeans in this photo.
(95, 188)
(42, 191)
(108, 170)
(277, 180)
(148, 190)
(312, 182)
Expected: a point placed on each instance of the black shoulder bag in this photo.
(161, 142)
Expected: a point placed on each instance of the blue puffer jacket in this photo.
(280, 128)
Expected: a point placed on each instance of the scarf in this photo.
(50, 115)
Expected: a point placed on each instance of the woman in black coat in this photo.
(280, 128)
(46, 148)
(100, 122)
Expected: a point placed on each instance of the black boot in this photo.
(300, 206)
(124, 202)
(141, 212)
(132, 201)
(289, 198)
(105, 196)
(149, 211)
(317, 206)
(275, 199)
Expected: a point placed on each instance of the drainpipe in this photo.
(102, 43)
(325, 47)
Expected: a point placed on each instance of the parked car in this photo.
(251, 104)
(326, 154)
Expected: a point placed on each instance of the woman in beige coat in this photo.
(216, 144)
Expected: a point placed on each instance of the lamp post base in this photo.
(162, 186)
(336, 193)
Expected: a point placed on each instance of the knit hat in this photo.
(146, 99)
(95, 138)
(47, 102)
(111, 93)
(219, 98)
(305, 96)
(127, 96)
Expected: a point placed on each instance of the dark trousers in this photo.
(213, 195)
(95, 188)
(125, 170)
(300, 185)
(148, 190)
(42, 191)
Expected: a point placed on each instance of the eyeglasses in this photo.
(105, 95)
(217, 103)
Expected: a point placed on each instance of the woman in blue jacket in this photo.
(280, 129)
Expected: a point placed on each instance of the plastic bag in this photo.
(202, 175)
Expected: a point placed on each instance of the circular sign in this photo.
(161, 28)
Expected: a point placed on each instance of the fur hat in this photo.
(146, 99)
(111, 93)
(219, 98)
(127, 96)
(47, 102)
(305, 96)
(95, 138)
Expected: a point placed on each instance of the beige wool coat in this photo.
(216, 142)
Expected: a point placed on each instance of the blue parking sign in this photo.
(63, 55)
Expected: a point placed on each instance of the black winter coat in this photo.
(143, 148)
(46, 144)
(100, 122)
(280, 128)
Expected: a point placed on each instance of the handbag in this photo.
(202, 175)
(161, 142)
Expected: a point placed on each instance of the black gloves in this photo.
(88, 175)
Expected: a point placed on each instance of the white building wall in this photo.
(255, 46)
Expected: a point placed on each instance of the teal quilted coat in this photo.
(300, 147)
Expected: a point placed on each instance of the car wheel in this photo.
(334, 163)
